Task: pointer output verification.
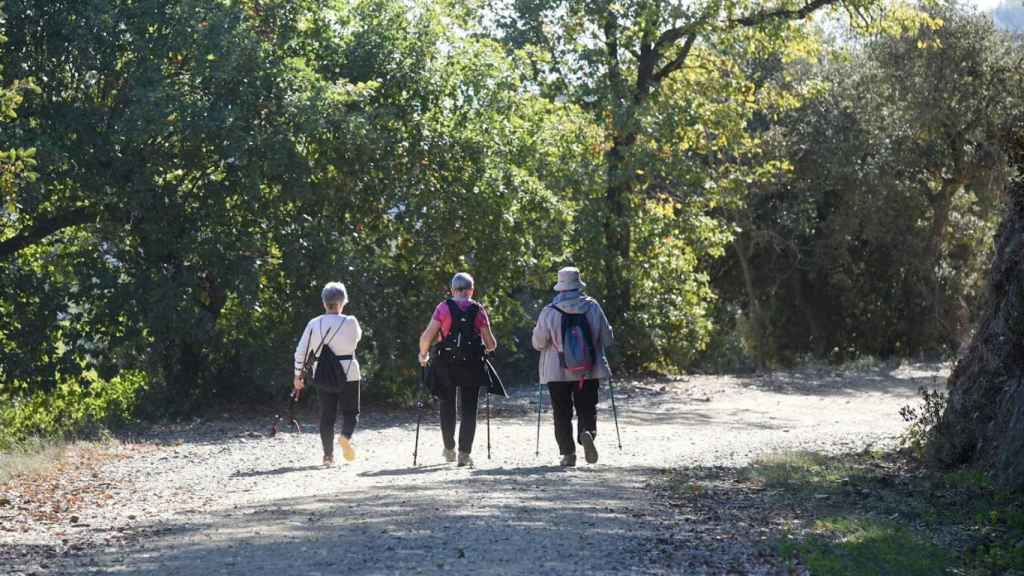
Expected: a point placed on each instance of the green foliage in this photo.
(922, 420)
(873, 236)
(663, 83)
(182, 180)
(16, 164)
(76, 405)
(205, 167)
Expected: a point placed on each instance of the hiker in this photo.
(463, 336)
(331, 339)
(572, 369)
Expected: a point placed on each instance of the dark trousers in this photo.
(348, 399)
(466, 385)
(565, 396)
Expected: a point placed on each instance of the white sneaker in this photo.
(449, 455)
(465, 460)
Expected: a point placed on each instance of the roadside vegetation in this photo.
(866, 513)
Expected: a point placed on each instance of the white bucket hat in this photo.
(569, 279)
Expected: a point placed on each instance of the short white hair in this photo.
(461, 281)
(334, 293)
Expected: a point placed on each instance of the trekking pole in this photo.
(488, 423)
(419, 418)
(294, 401)
(540, 400)
(615, 412)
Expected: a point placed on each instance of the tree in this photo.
(205, 167)
(983, 422)
(616, 59)
(872, 241)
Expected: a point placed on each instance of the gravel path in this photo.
(223, 498)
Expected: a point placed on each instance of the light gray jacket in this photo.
(547, 337)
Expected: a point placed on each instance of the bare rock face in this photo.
(983, 424)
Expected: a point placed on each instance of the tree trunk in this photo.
(618, 239)
(983, 422)
(941, 204)
(811, 312)
(758, 323)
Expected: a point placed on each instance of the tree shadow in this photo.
(276, 471)
(411, 470)
(898, 379)
(521, 471)
(495, 522)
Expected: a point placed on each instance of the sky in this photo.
(985, 5)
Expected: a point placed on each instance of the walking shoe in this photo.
(347, 451)
(465, 460)
(328, 461)
(589, 450)
(449, 454)
(568, 460)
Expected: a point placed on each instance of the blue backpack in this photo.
(578, 354)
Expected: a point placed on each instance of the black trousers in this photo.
(348, 399)
(465, 382)
(565, 396)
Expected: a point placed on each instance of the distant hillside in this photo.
(1010, 15)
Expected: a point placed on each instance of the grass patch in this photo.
(30, 458)
(863, 513)
(856, 546)
(796, 469)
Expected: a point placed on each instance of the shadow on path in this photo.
(526, 520)
(890, 379)
(275, 471)
(409, 471)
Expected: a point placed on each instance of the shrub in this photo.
(922, 420)
(75, 406)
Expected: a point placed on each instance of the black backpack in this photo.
(329, 376)
(463, 346)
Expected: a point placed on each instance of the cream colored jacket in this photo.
(547, 337)
(343, 333)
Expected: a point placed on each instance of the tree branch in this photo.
(647, 77)
(670, 36)
(45, 227)
(676, 62)
(783, 13)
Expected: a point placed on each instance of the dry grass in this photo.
(32, 458)
(40, 457)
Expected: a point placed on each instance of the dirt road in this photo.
(222, 498)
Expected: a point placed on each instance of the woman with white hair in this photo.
(335, 332)
(464, 332)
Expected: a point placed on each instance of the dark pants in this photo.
(348, 398)
(566, 395)
(466, 383)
